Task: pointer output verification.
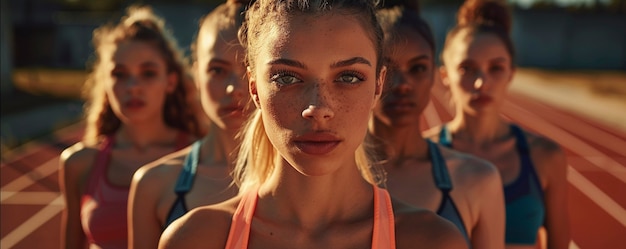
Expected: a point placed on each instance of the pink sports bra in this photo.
(384, 228)
(104, 205)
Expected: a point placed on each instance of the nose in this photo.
(318, 110)
(236, 86)
(479, 83)
(399, 83)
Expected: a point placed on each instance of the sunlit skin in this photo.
(220, 76)
(478, 70)
(139, 82)
(477, 190)
(315, 90)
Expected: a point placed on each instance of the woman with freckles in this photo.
(305, 178)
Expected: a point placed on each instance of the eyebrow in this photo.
(499, 59)
(217, 60)
(351, 61)
(419, 58)
(343, 63)
(149, 64)
(287, 62)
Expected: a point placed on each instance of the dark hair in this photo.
(391, 19)
(484, 16)
(262, 12)
(140, 24)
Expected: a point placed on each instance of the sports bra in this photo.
(184, 184)
(447, 209)
(384, 226)
(104, 208)
(525, 210)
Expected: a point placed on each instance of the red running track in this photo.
(31, 203)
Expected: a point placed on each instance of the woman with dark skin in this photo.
(315, 73)
(478, 68)
(461, 188)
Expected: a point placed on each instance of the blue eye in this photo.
(350, 77)
(284, 78)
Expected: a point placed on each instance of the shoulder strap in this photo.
(445, 137)
(185, 179)
(239, 232)
(440, 170)
(102, 160)
(384, 235)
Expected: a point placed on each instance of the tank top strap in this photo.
(242, 219)
(526, 163)
(445, 137)
(190, 166)
(439, 170)
(101, 162)
(384, 235)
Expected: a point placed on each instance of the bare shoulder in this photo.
(78, 157)
(202, 227)
(469, 169)
(166, 168)
(416, 226)
(432, 133)
(548, 156)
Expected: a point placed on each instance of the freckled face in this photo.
(478, 71)
(410, 72)
(315, 83)
(139, 82)
(221, 77)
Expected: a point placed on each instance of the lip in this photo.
(134, 104)
(231, 110)
(482, 100)
(317, 143)
(400, 106)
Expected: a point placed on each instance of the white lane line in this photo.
(567, 140)
(596, 195)
(27, 198)
(46, 169)
(585, 130)
(33, 223)
(430, 115)
(573, 245)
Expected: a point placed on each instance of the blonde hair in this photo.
(140, 24)
(257, 158)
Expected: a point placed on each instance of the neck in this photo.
(479, 129)
(315, 202)
(218, 146)
(144, 135)
(400, 142)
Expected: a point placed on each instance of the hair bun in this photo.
(485, 12)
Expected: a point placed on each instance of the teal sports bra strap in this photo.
(440, 172)
(445, 138)
(185, 180)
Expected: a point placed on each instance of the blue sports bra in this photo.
(447, 209)
(525, 211)
(184, 184)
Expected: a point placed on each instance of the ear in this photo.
(254, 95)
(172, 81)
(444, 76)
(381, 81)
(195, 74)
